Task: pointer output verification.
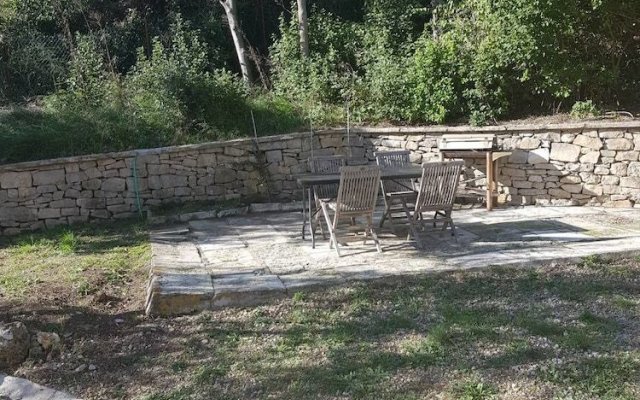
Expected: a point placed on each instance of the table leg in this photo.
(494, 171)
(304, 211)
(311, 230)
(490, 178)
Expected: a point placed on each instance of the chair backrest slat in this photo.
(390, 160)
(358, 189)
(438, 185)
(326, 165)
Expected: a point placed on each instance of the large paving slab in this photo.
(250, 259)
(21, 389)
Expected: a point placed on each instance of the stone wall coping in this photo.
(395, 130)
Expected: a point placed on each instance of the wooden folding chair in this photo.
(397, 194)
(436, 194)
(328, 165)
(357, 194)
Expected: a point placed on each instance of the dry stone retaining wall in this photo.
(567, 164)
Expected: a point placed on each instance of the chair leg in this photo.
(333, 241)
(384, 214)
(373, 233)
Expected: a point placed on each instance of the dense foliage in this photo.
(128, 73)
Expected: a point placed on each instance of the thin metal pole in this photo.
(349, 130)
(311, 137)
(255, 131)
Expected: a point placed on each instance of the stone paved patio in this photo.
(246, 260)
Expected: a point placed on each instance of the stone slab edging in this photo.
(396, 130)
(253, 208)
(23, 389)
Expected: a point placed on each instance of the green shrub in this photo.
(584, 109)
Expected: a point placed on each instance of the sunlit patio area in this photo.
(247, 260)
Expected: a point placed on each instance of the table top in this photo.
(495, 155)
(390, 173)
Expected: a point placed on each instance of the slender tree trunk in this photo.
(434, 18)
(231, 10)
(303, 27)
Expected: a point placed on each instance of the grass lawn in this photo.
(554, 332)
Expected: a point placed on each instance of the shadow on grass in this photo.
(360, 340)
(95, 238)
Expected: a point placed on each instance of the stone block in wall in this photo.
(163, 194)
(26, 193)
(234, 151)
(565, 152)
(116, 165)
(45, 213)
(610, 180)
(522, 184)
(173, 181)
(183, 191)
(85, 165)
(589, 142)
(559, 193)
(567, 137)
(101, 214)
(532, 192)
(117, 209)
(591, 157)
(535, 178)
(538, 156)
(105, 161)
(113, 185)
(627, 156)
(618, 204)
(12, 180)
(630, 182)
(45, 189)
(518, 157)
(610, 189)
(154, 182)
(608, 153)
(529, 143)
(618, 144)
(158, 169)
(92, 184)
(64, 203)
(69, 212)
(93, 173)
(50, 177)
(611, 134)
(206, 160)
(592, 190)
(633, 169)
(75, 177)
(601, 170)
(513, 172)
(589, 177)
(18, 214)
(91, 203)
(273, 156)
(572, 188)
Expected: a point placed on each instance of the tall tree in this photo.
(303, 27)
(231, 10)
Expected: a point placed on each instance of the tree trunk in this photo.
(236, 33)
(303, 27)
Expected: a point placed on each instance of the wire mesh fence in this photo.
(32, 63)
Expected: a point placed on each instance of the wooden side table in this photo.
(491, 159)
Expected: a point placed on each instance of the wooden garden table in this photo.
(308, 181)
